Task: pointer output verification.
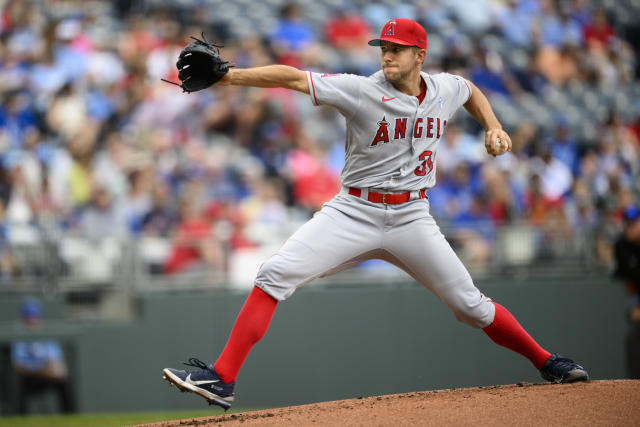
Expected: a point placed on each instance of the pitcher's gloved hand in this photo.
(200, 65)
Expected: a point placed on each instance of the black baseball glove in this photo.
(200, 65)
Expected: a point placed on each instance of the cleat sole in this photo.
(183, 387)
(580, 376)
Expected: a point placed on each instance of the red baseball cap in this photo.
(402, 31)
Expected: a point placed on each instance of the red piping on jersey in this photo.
(313, 88)
(465, 82)
(423, 91)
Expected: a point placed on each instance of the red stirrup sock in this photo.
(507, 332)
(250, 326)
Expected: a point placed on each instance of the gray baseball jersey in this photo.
(392, 141)
(391, 144)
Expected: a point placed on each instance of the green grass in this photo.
(106, 420)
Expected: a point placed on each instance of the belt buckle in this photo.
(384, 198)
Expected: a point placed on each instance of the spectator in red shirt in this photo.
(349, 33)
(346, 30)
(194, 242)
(599, 33)
(634, 127)
(313, 181)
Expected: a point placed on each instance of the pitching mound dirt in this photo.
(597, 403)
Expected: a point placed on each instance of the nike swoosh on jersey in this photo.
(387, 99)
(190, 381)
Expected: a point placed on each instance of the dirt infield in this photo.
(597, 403)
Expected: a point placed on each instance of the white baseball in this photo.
(499, 146)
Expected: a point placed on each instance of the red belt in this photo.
(387, 198)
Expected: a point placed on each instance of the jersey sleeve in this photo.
(460, 89)
(341, 91)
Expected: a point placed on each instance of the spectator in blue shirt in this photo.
(564, 146)
(39, 362)
(557, 28)
(292, 33)
(515, 22)
(16, 117)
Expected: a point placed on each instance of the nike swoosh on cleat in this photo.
(203, 382)
(190, 381)
(387, 99)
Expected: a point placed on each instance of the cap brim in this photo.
(378, 42)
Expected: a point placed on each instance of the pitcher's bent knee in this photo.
(470, 306)
(274, 278)
(478, 316)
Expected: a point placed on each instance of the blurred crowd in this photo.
(97, 150)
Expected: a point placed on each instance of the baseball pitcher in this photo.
(395, 120)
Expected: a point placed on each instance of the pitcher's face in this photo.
(399, 62)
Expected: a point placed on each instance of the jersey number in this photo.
(425, 156)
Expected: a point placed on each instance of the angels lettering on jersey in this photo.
(391, 140)
(428, 127)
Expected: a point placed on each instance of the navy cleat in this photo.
(558, 369)
(204, 382)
